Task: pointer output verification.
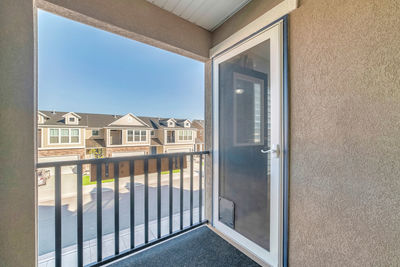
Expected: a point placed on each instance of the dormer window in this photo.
(71, 118)
(171, 123)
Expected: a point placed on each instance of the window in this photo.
(95, 132)
(143, 136)
(74, 136)
(152, 133)
(170, 136)
(185, 135)
(130, 136)
(64, 136)
(54, 136)
(137, 136)
(71, 119)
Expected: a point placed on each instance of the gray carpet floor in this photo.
(200, 247)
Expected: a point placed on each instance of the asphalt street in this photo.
(69, 214)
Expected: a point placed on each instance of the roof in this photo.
(199, 124)
(55, 118)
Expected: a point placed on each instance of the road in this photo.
(46, 209)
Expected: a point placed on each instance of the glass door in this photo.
(247, 139)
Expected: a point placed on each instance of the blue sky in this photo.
(84, 69)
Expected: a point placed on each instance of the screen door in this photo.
(247, 140)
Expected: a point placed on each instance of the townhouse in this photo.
(73, 136)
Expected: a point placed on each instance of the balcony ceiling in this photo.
(208, 14)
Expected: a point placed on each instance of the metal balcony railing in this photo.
(100, 169)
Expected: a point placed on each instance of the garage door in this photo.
(57, 159)
(127, 154)
(64, 170)
(178, 150)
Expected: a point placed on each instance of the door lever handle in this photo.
(273, 150)
(267, 151)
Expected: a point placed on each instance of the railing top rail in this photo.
(117, 159)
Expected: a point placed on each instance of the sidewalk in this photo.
(69, 254)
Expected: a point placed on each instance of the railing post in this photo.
(57, 191)
(158, 198)
(181, 191)
(132, 201)
(79, 216)
(200, 187)
(99, 213)
(116, 207)
(171, 192)
(146, 201)
(191, 190)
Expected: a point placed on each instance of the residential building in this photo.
(73, 136)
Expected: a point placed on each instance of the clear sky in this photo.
(84, 69)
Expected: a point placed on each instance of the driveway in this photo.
(46, 208)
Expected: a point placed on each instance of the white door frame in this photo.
(275, 35)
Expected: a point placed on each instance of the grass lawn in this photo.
(174, 171)
(86, 180)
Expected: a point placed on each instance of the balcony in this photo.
(167, 201)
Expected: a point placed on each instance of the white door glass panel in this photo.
(247, 120)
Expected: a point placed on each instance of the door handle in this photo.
(273, 150)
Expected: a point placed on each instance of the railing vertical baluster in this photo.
(200, 186)
(99, 213)
(181, 191)
(146, 201)
(191, 190)
(170, 194)
(79, 215)
(116, 207)
(158, 198)
(57, 191)
(132, 201)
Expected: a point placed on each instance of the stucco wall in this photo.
(247, 14)
(345, 133)
(17, 100)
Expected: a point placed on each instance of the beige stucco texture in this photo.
(345, 133)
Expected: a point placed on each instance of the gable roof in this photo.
(118, 121)
(105, 120)
(199, 124)
(43, 115)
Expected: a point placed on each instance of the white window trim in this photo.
(140, 135)
(59, 136)
(183, 135)
(166, 136)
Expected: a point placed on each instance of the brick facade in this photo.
(62, 152)
(110, 150)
